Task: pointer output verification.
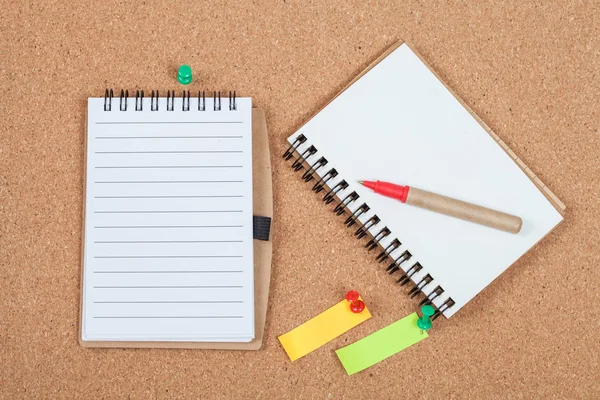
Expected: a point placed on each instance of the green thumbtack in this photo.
(424, 322)
(184, 74)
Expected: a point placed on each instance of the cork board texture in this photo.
(530, 70)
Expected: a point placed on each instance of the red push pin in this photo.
(356, 305)
(352, 296)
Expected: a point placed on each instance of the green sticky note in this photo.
(382, 344)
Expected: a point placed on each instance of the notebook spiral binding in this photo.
(139, 97)
(304, 157)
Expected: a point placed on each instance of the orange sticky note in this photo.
(322, 329)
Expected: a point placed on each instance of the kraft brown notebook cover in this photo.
(262, 206)
(398, 121)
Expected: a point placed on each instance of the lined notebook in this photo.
(399, 123)
(168, 248)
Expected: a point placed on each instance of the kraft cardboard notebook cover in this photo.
(262, 206)
(411, 126)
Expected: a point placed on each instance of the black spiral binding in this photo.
(139, 97)
(232, 102)
(351, 220)
(303, 161)
(170, 101)
(202, 101)
(108, 95)
(377, 238)
(139, 100)
(216, 106)
(123, 100)
(154, 102)
(185, 105)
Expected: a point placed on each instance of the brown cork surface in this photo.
(530, 70)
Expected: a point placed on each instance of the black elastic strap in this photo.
(262, 227)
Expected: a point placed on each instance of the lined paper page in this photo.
(168, 252)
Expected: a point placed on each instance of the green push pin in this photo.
(184, 74)
(424, 322)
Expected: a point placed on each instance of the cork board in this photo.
(528, 69)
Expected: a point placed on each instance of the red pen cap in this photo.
(388, 189)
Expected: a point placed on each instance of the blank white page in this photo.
(399, 123)
(168, 252)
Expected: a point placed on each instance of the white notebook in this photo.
(168, 251)
(399, 123)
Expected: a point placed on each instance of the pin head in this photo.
(357, 306)
(428, 310)
(352, 296)
(184, 74)
(424, 322)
